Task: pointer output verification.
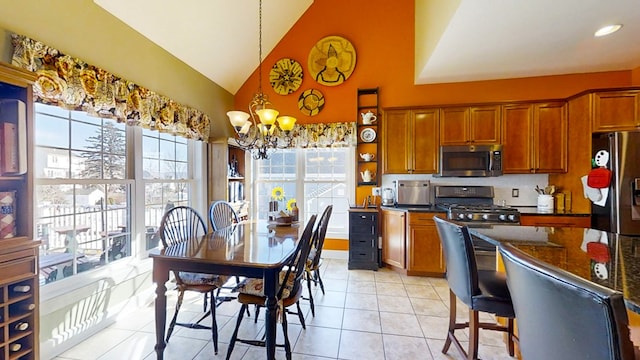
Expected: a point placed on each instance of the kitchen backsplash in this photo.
(502, 185)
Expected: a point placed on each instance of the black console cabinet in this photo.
(363, 239)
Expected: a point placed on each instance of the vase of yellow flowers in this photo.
(278, 198)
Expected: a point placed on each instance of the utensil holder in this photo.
(545, 203)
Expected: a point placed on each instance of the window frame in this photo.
(134, 180)
(299, 181)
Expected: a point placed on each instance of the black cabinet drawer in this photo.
(362, 242)
(362, 255)
(363, 219)
(362, 229)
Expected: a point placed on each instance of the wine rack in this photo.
(18, 299)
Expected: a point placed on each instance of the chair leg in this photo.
(287, 345)
(214, 323)
(257, 313)
(234, 336)
(319, 279)
(472, 354)
(452, 321)
(204, 305)
(301, 316)
(510, 335)
(175, 315)
(313, 308)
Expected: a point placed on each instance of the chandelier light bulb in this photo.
(238, 118)
(267, 116)
(245, 128)
(286, 122)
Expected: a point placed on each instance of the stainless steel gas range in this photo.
(473, 205)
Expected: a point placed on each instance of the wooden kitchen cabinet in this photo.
(424, 249)
(555, 221)
(616, 110)
(19, 284)
(534, 138)
(393, 238)
(470, 125)
(410, 243)
(19, 321)
(410, 141)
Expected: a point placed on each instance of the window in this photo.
(318, 176)
(166, 178)
(85, 189)
(82, 194)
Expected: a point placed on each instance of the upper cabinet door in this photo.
(484, 124)
(424, 135)
(470, 125)
(551, 137)
(395, 143)
(454, 128)
(517, 139)
(616, 110)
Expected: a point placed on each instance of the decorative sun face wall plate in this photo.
(332, 60)
(311, 102)
(285, 76)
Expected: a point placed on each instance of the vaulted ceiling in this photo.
(456, 40)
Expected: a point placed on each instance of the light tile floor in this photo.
(363, 315)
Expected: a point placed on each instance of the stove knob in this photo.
(461, 216)
(512, 217)
(502, 217)
(470, 216)
(485, 217)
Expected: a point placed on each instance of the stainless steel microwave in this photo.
(471, 160)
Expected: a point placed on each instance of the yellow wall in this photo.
(82, 29)
(382, 33)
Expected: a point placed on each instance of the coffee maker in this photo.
(388, 197)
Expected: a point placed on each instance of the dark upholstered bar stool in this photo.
(480, 290)
(561, 316)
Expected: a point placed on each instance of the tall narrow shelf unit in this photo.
(236, 182)
(367, 100)
(19, 285)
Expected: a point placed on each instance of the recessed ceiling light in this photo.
(606, 30)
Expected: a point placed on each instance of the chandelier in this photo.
(261, 131)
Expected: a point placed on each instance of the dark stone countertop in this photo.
(524, 210)
(427, 209)
(533, 210)
(579, 250)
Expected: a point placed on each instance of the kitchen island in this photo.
(607, 259)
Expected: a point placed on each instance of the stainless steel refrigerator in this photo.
(621, 211)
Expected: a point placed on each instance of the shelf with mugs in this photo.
(368, 119)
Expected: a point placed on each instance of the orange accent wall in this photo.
(382, 33)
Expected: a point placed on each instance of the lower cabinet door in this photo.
(393, 238)
(425, 251)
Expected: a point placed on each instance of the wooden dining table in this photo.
(254, 249)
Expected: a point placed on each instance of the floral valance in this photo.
(71, 83)
(324, 135)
